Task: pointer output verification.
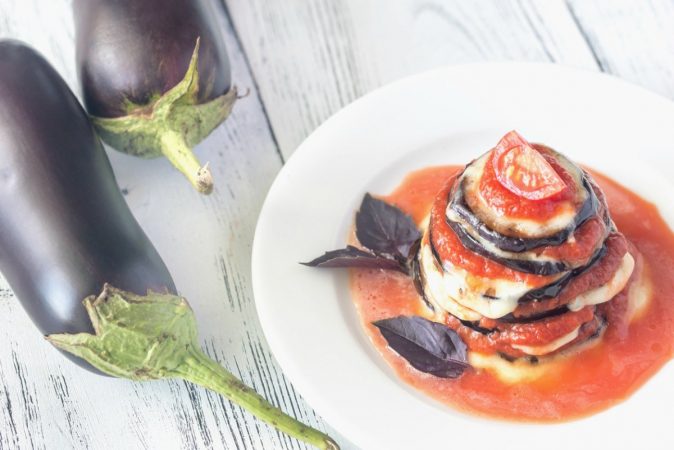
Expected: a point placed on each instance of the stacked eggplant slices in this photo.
(520, 255)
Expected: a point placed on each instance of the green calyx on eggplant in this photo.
(154, 336)
(170, 126)
(155, 78)
(66, 233)
(65, 228)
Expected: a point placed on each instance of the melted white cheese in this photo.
(521, 369)
(607, 291)
(436, 292)
(519, 226)
(461, 293)
(491, 247)
(507, 371)
(550, 347)
(639, 294)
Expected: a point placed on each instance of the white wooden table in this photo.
(302, 60)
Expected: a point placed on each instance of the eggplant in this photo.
(521, 265)
(588, 209)
(65, 229)
(550, 290)
(66, 234)
(156, 77)
(555, 288)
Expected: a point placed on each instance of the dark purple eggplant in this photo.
(65, 229)
(156, 76)
(521, 265)
(66, 233)
(590, 208)
(544, 292)
(458, 204)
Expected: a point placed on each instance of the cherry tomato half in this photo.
(523, 171)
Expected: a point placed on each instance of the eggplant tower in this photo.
(520, 254)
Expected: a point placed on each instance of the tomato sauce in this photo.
(540, 332)
(599, 274)
(512, 205)
(596, 378)
(450, 248)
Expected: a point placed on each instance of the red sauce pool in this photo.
(593, 380)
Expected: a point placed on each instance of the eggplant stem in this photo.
(170, 125)
(153, 337)
(243, 94)
(199, 369)
(176, 150)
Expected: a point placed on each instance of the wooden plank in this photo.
(632, 40)
(312, 58)
(309, 59)
(46, 402)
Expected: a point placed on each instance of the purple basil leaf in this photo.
(428, 346)
(355, 257)
(385, 229)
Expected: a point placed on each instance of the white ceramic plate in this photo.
(446, 116)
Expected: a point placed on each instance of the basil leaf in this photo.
(385, 229)
(355, 257)
(428, 346)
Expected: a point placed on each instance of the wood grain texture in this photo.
(308, 59)
(312, 58)
(46, 402)
(632, 40)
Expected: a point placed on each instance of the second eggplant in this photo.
(155, 76)
(76, 258)
(65, 229)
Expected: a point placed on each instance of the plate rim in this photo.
(284, 362)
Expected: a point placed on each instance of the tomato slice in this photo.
(521, 169)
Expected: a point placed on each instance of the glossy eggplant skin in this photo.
(139, 49)
(65, 229)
